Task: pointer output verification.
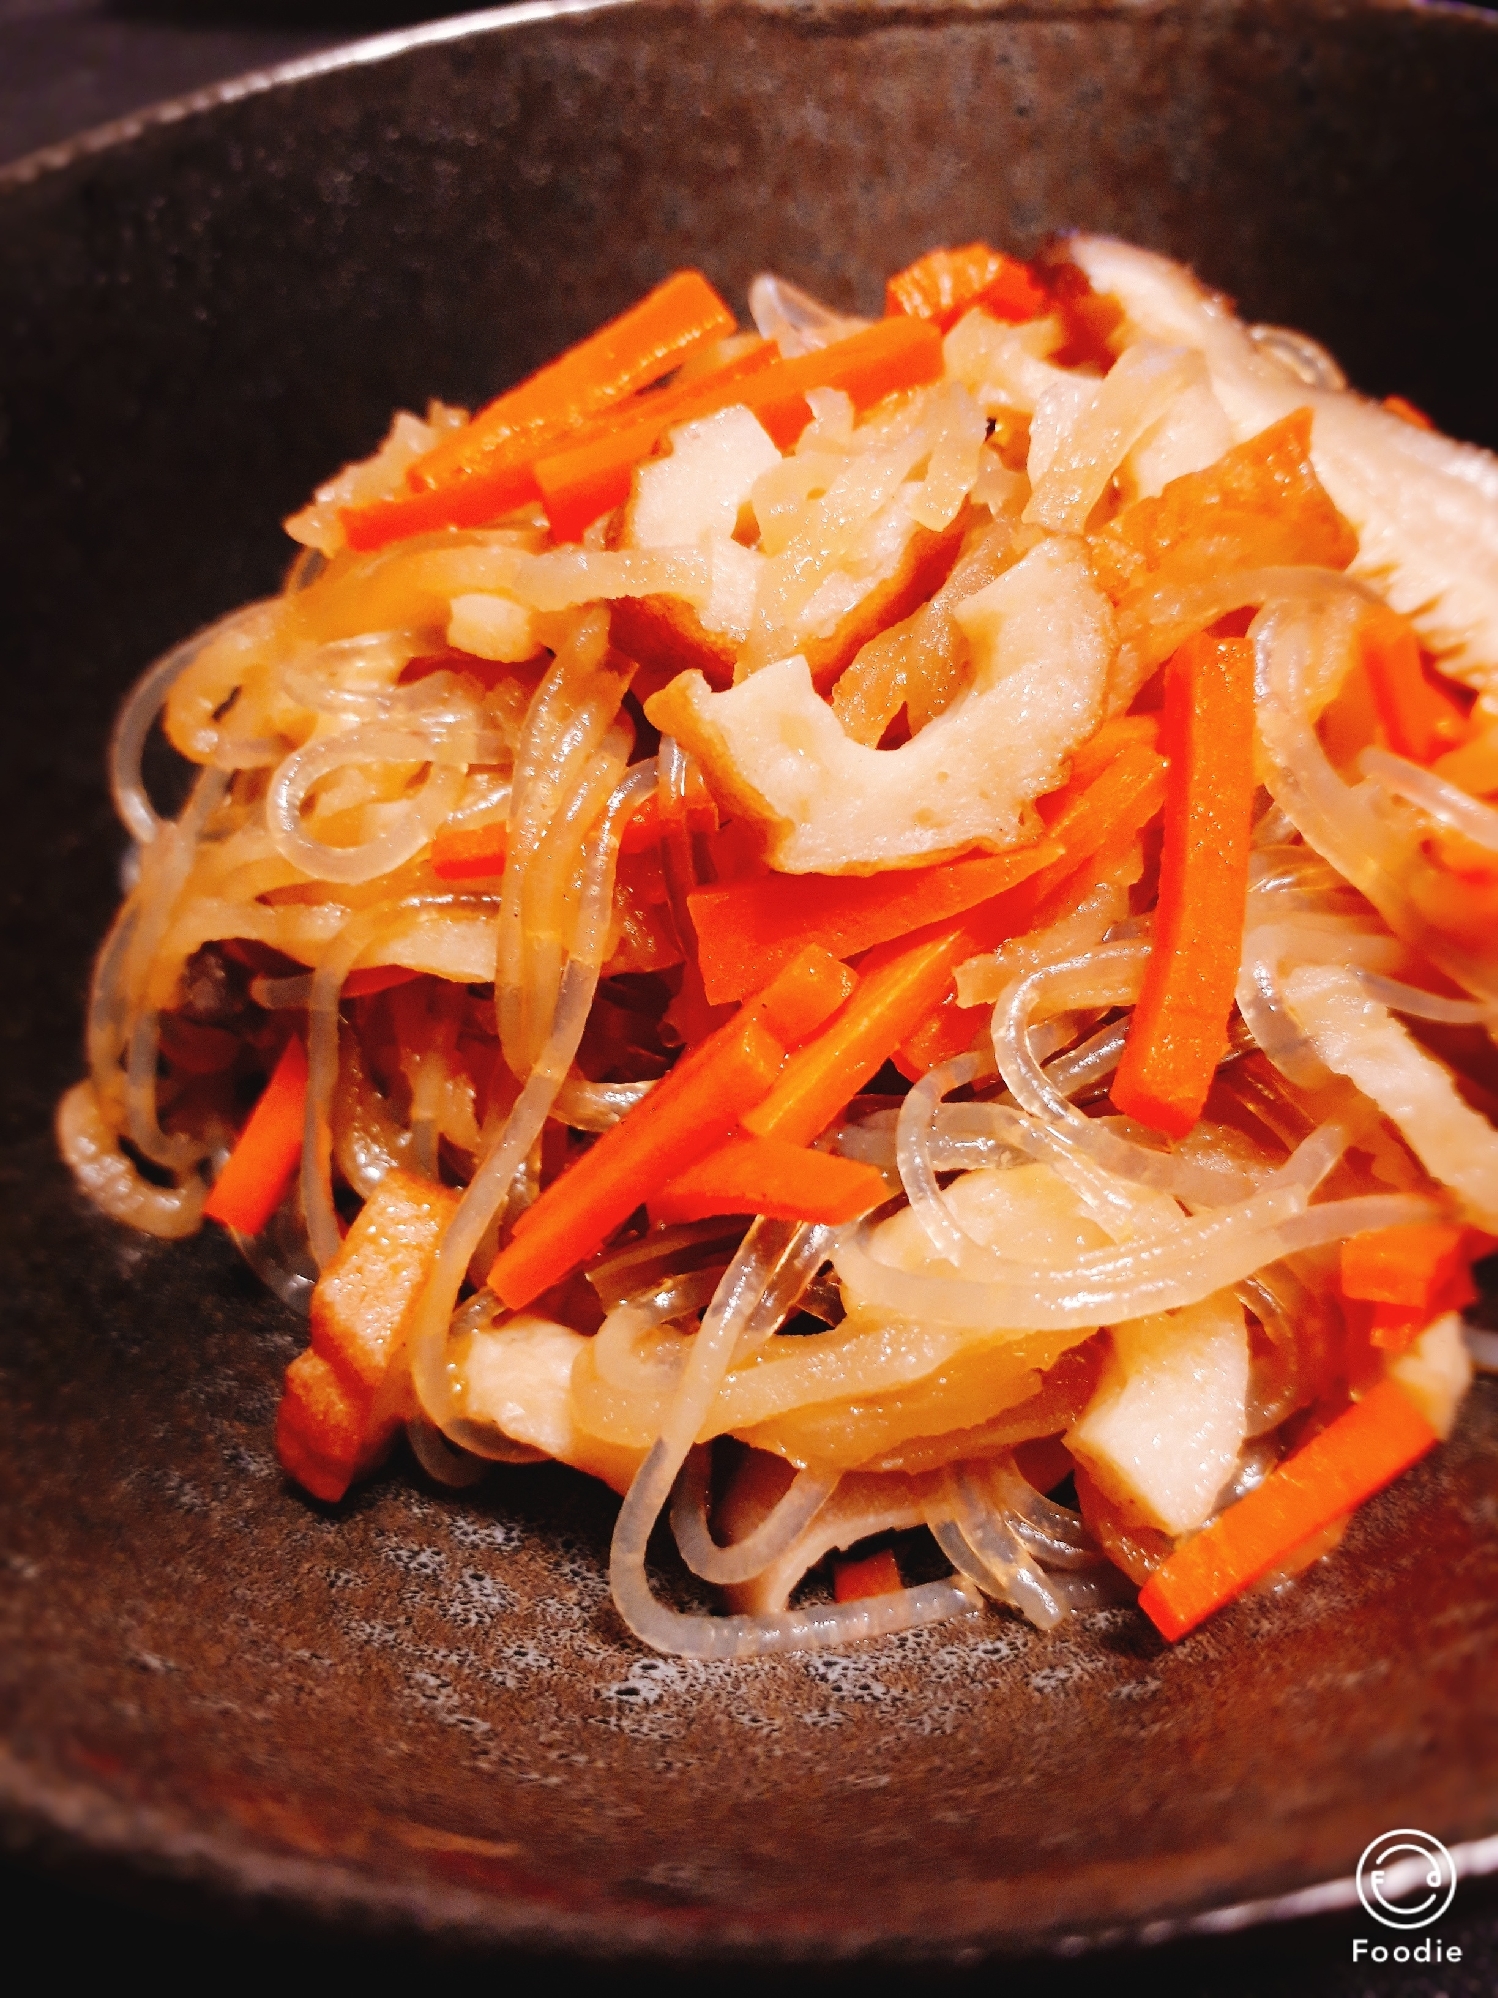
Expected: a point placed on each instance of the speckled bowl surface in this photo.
(419, 1708)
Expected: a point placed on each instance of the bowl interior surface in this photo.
(420, 1705)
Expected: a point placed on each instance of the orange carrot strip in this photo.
(1116, 787)
(644, 343)
(876, 1575)
(580, 482)
(1416, 1265)
(944, 284)
(1392, 1328)
(1113, 793)
(805, 994)
(254, 1181)
(503, 484)
(507, 477)
(488, 468)
(889, 1003)
(1419, 717)
(1366, 1448)
(746, 930)
(943, 1035)
(767, 1176)
(1409, 412)
(883, 359)
(465, 853)
(581, 476)
(1396, 1280)
(484, 469)
(1014, 294)
(378, 978)
(1092, 759)
(644, 827)
(1178, 1032)
(1096, 826)
(691, 1111)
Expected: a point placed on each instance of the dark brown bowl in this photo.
(419, 1708)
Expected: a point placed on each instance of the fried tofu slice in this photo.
(348, 1394)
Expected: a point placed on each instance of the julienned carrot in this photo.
(644, 343)
(1366, 1448)
(467, 853)
(1178, 1031)
(377, 978)
(507, 476)
(767, 1176)
(875, 1575)
(1414, 1265)
(883, 359)
(794, 1004)
(944, 284)
(1114, 792)
(582, 481)
(948, 1031)
(747, 930)
(700, 815)
(1407, 412)
(691, 1111)
(889, 1004)
(1403, 1277)
(640, 346)
(253, 1183)
(805, 994)
(1092, 759)
(1116, 787)
(1418, 717)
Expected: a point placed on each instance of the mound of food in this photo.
(861, 929)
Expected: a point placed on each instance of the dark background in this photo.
(66, 65)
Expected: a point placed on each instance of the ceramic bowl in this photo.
(418, 1708)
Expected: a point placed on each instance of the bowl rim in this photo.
(69, 1825)
(63, 1823)
(371, 49)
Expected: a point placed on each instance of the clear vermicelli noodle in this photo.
(880, 933)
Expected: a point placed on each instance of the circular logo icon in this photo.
(1406, 1879)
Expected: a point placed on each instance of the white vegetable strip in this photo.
(133, 725)
(1110, 976)
(740, 1561)
(1209, 1252)
(1446, 803)
(418, 819)
(437, 1389)
(382, 921)
(1138, 390)
(1299, 647)
(1355, 1036)
(739, 1299)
